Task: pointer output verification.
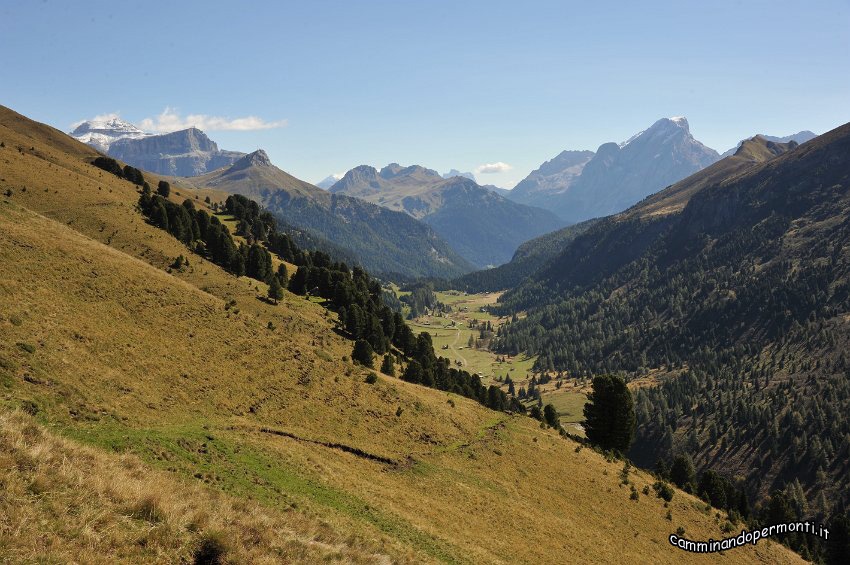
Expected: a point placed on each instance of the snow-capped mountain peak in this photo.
(100, 134)
(663, 127)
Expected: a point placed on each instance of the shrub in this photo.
(211, 550)
(663, 490)
(371, 378)
(28, 347)
(634, 495)
(148, 508)
(29, 407)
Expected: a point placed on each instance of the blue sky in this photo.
(441, 84)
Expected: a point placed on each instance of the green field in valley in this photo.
(451, 332)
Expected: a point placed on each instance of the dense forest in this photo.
(741, 298)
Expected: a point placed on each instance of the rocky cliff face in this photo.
(619, 175)
(579, 185)
(182, 153)
(552, 177)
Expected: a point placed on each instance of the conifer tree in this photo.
(610, 414)
(275, 290)
(163, 189)
(551, 417)
(388, 366)
(362, 353)
(682, 473)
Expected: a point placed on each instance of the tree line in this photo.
(351, 292)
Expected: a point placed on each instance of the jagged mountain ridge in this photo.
(619, 174)
(552, 177)
(184, 153)
(383, 241)
(480, 223)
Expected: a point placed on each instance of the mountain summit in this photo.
(183, 153)
(579, 185)
(100, 134)
(258, 158)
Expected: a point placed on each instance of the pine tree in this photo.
(362, 353)
(682, 473)
(610, 414)
(551, 416)
(388, 366)
(160, 216)
(275, 290)
(282, 275)
(163, 189)
(298, 283)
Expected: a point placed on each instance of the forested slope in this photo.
(741, 286)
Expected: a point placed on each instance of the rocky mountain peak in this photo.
(258, 158)
(394, 170)
(100, 134)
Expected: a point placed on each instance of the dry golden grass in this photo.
(66, 503)
(111, 350)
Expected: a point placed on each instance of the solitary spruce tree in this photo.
(163, 189)
(610, 414)
(275, 290)
(682, 473)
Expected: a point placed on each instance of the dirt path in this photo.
(457, 352)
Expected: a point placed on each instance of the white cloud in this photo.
(169, 120)
(492, 168)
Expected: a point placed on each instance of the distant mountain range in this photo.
(382, 240)
(579, 185)
(184, 153)
(482, 225)
(799, 137)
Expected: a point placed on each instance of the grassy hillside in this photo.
(178, 378)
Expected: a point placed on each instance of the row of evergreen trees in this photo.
(352, 293)
(128, 172)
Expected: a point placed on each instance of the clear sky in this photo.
(441, 84)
